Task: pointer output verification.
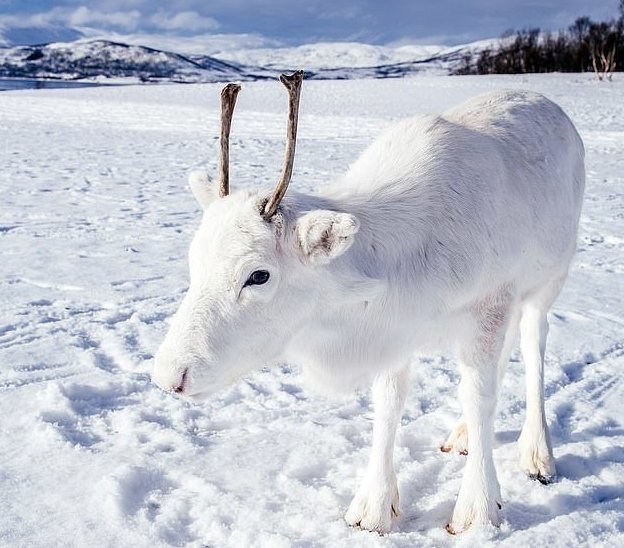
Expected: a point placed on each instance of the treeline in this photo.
(584, 47)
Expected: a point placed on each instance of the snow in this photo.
(329, 55)
(96, 219)
(343, 60)
(91, 59)
(100, 59)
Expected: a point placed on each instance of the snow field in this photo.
(95, 223)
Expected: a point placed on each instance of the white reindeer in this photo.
(457, 227)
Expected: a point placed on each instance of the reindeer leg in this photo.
(377, 499)
(479, 500)
(457, 442)
(536, 454)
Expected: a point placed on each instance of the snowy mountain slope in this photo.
(100, 58)
(346, 56)
(94, 228)
(440, 63)
(89, 58)
(328, 55)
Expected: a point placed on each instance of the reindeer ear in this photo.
(204, 190)
(325, 235)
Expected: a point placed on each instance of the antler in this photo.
(293, 84)
(228, 101)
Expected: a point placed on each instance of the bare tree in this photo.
(603, 42)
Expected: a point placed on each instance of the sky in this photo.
(292, 22)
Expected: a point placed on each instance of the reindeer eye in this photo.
(257, 277)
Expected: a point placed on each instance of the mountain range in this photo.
(105, 60)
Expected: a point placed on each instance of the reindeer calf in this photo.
(457, 227)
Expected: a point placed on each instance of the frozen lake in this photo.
(29, 83)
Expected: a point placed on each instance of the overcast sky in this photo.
(294, 22)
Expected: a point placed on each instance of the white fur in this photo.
(451, 228)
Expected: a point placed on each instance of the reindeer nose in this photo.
(180, 387)
(170, 376)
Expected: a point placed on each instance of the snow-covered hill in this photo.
(88, 59)
(329, 55)
(345, 56)
(95, 222)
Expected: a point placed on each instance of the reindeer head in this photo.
(256, 272)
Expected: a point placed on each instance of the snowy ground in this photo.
(95, 221)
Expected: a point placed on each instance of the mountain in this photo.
(328, 55)
(349, 60)
(104, 59)
(89, 59)
(424, 59)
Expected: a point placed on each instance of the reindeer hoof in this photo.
(449, 449)
(536, 457)
(476, 507)
(544, 480)
(457, 441)
(374, 509)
